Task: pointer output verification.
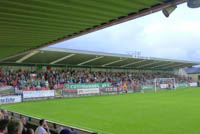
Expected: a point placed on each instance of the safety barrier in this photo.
(53, 126)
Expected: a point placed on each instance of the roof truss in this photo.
(27, 56)
(63, 58)
(98, 57)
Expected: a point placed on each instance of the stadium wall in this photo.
(195, 77)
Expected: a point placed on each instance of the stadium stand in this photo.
(56, 79)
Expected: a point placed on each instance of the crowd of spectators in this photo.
(11, 126)
(51, 79)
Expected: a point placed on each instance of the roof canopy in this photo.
(79, 58)
(192, 70)
(31, 24)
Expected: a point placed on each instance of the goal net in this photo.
(164, 83)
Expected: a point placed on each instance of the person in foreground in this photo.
(30, 131)
(3, 126)
(23, 121)
(43, 128)
(67, 131)
(15, 127)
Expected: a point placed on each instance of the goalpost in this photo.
(164, 83)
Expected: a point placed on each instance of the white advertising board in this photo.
(194, 84)
(10, 99)
(163, 86)
(38, 94)
(88, 91)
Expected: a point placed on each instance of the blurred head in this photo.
(15, 127)
(1, 116)
(23, 120)
(67, 131)
(3, 126)
(30, 131)
(42, 122)
(4, 112)
(59, 129)
(9, 118)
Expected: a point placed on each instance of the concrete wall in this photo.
(194, 77)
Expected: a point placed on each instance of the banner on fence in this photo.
(5, 88)
(182, 85)
(10, 99)
(194, 84)
(111, 89)
(87, 85)
(147, 87)
(38, 94)
(88, 91)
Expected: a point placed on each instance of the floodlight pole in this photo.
(155, 85)
(174, 84)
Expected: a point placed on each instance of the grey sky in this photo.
(176, 37)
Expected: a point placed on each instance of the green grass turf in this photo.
(164, 112)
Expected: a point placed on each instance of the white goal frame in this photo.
(173, 86)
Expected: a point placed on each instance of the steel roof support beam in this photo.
(99, 57)
(163, 65)
(186, 65)
(63, 58)
(148, 64)
(173, 66)
(113, 62)
(183, 65)
(133, 63)
(27, 56)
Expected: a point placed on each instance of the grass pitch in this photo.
(164, 112)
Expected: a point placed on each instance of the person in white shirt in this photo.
(43, 128)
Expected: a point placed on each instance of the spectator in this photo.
(3, 126)
(23, 121)
(30, 131)
(4, 112)
(43, 128)
(1, 116)
(15, 127)
(67, 131)
(9, 118)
